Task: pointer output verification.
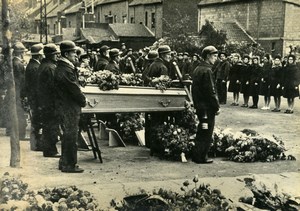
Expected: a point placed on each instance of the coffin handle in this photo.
(165, 103)
(93, 103)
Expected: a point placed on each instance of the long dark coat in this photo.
(235, 77)
(45, 85)
(31, 81)
(276, 78)
(255, 79)
(265, 82)
(291, 81)
(101, 63)
(113, 67)
(245, 77)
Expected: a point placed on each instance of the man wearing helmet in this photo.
(206, 104)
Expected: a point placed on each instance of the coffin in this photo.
(133, 99)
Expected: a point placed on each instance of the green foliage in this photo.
(177, 36)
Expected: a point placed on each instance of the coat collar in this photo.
(64, 60)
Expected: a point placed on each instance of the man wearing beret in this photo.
(69, 101)
(31, 75)
(206, 104)
(113, 64)
(160, 64)
(19, 76)
(46, 100)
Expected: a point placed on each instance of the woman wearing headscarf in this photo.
(265, 81)
(255, 78)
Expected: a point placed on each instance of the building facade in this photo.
(156, 14)
(272, 23)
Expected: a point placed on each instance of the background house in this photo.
(155, 14)
(272, 23)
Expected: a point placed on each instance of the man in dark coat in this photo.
(46, 100)
(31, 79)
(113, 64)
(221, 75)
(19, 76)
(103, 58)
(206, 104)
(69, 101)
(160, 64)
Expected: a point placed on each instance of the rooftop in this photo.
(130, 30)
(143, 2)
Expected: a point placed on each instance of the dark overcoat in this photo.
(31, 80)
(158, 68)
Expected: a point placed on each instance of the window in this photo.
(115, 19)
(132, 20)
(69, 24)
(146, 18)
(153, 20)
(273, 46)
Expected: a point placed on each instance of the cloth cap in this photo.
(103, 48)
(67, 45)
(19, 47)
(208, 50)
(37, 49)
(51, 49)
(163, 49)
(114, 52)
(151, 55)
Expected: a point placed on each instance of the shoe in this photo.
(236, 104)
(56, 155)
(264, 108)
(232, 104)
(287, 111)
(244, 105)
(206, 161)
(253, 106)
(275, 110)
(69, 169)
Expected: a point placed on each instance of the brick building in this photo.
(156, 13)
(272, 23)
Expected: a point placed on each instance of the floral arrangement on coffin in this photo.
(193, 197)
(129, 123)
(162, 83)
(83, 75)
(14, 195)
(131, 79)
(107, 80)
(248, 146)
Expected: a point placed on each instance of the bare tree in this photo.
(10, 84)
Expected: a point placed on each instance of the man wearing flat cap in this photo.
(46, 100)
(69, 102)
(206, 104)
(160, 64)
(19, 76)
(114, 62)
(31, 76)
(103, 58)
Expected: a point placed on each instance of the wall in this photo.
(260, 18)
(118, 9)
(291, 27)
(138, 13)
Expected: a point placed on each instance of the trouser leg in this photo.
(69, 140)
(204, 136)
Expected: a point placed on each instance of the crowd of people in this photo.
(49, 83)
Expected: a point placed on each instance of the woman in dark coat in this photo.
(276, 77)
(291, 83)
(265, 81)
(235, 79)
(245, 79)
(255, 78)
